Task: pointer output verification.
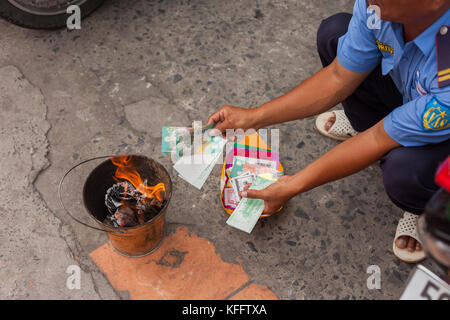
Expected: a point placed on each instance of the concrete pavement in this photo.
(108, 88)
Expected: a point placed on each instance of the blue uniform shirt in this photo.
(424, 117)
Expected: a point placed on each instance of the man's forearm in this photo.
(316, 94)
(345, 159)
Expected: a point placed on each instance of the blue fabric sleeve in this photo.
(357, 49)
(422, 121)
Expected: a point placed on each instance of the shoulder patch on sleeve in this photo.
(443, 56)
(436, 116)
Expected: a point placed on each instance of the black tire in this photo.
(43, 18)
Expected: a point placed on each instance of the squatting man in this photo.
(394, 84)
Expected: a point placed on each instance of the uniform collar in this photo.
(426, 40)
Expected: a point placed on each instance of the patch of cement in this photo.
(152, 114)
(200, 55)
(33, 256)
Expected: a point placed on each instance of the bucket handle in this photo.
(61, 202)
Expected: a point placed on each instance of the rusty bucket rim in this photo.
(104, 227)
(116, 230)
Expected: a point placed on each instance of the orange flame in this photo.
(125, 170)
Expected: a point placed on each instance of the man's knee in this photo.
(332, 28)
(404, 181)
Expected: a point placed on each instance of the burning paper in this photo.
(131, 201)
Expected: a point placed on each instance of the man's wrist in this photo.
(261, 117)
(255, 119)
(297, 184)
(292, 186)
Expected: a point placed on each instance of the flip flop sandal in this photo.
(341, 128)
(407, 226)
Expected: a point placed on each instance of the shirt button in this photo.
(404, 59)
(443, 30)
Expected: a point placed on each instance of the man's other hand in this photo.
(231, 117)
(275, 195)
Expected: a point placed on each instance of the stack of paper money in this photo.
(248, 211)
(197, 167)
(243, 165)
(195, 159)
(240, 182)
(174, 139)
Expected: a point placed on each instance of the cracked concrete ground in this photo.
(109, 87)
(34, 252)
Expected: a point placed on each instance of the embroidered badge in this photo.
(384, 47)
(436, 116)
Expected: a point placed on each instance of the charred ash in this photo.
(128, 207)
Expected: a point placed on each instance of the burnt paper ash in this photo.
(128, 207)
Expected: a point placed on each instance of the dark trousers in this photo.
(408, 172)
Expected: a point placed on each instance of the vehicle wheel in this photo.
(43, 14)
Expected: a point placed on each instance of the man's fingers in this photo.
(253, 194)
(220, 126)
(214, 132)
(266, 210)
(215, 117)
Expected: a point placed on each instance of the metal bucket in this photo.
(129, 241)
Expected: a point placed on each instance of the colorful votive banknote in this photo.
(195, 168)
(248, 211)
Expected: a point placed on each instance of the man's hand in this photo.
(230, 117)
(275, 195)
(337, 163)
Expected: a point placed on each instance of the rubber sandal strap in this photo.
(407, 226)
(342, 127)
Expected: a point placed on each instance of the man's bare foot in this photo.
(408, 242)
(330, 122)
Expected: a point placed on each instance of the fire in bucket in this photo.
(128, 197)
(130, 201)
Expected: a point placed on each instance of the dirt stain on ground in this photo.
(172, 258)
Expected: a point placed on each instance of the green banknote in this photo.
(174, 137)
(196, 168)
(248, 210)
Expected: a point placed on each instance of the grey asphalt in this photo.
(109, 87)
